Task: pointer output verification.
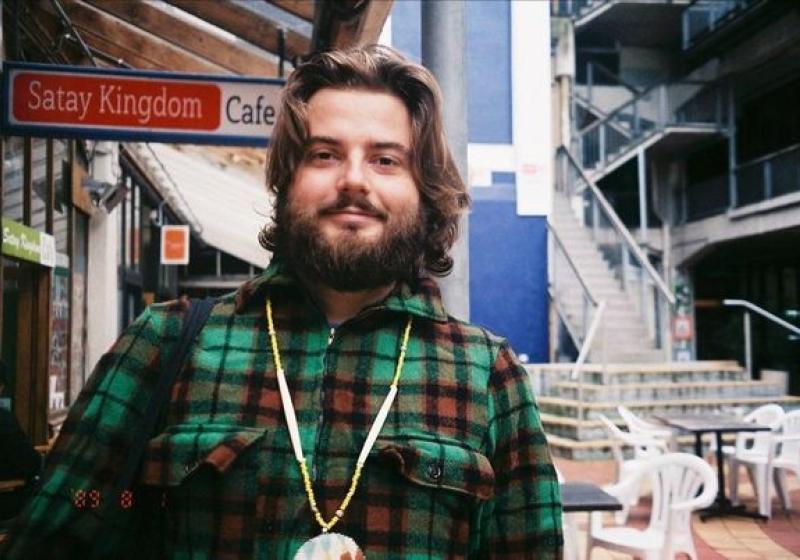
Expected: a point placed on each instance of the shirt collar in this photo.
(423, 299)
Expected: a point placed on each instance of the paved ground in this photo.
(715, 539)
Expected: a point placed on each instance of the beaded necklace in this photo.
(294, 436)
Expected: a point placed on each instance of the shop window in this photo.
(13, 163)
(79, 261)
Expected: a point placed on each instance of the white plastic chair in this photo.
(782, 454)
(644, 448)
(676, 479)
(786, 456)
(569, 527)
(637, 425)
(752, 450)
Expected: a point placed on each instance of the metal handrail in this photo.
(572, 265)
(767, 157)
(748, 343)
(603, 116)
(576, 340)
(610, 74)
(763, 312)
(635, 99)
(612, 217)
(587, 342)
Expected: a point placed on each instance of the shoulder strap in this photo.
(199, 311)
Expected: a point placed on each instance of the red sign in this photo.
(47, 98)
(174, 244)
(76, 101)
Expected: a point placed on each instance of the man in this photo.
(333, 394)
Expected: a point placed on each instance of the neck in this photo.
(339, 306)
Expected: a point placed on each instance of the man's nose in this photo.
(353, 176)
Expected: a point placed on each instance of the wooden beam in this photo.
(244, 22)
(363, 30)
(300, 8)
(136, 47)
(165, 21)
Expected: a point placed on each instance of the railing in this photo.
(587, 346)
(594, 70)
(748, 338)
(570, 8)
(684, 103)
(767, 177)
(636, 274)
(704, 16)
(568, 290)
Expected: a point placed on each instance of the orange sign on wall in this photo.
(175, 245)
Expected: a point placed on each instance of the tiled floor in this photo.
(715, 539)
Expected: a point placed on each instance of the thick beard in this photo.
(349, 263)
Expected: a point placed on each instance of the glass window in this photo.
(61, 180)
(79, 259)
(12, 179)
(59, 338)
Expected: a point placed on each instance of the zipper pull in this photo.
(331, 335)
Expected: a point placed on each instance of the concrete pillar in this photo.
(102, 317)
(444, 54)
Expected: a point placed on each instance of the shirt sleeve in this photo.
(523, 519)
(86, 458)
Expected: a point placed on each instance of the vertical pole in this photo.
(748, 345)
(601, 130)
(589, 80)
(732, 190)
(767, 192)
(443, 52)
(642, 178)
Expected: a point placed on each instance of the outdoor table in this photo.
(698, 425)
(585, 496)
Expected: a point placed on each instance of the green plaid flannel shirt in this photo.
(461, 468)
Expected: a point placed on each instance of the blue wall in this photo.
(508, 253)
(488, 63)
(407, 28)
(508, 271)
(489, 72)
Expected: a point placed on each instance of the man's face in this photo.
(353, 209)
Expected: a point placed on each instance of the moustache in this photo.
(348, 200)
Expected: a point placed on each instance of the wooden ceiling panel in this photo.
(136, 47)
(237, 19)
(160, 20)
(300, 8)
(364, 30)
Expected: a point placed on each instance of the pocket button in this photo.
(435, 471)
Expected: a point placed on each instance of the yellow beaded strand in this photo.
(312, 501)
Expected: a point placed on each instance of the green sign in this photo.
(28, 244)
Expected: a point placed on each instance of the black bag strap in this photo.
(199, 310)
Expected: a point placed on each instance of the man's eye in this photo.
(386, 161)
(321, 156)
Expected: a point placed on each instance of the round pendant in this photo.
(329, 546)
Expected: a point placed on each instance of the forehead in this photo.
(359, 114)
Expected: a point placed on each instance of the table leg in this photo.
(722, 504)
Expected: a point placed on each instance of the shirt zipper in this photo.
(321, 419)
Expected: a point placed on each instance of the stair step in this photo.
(626, 392)
(585, 410)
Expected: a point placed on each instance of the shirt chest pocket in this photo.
(438, 464)
(185, 452)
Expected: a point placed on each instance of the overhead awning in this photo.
(225, 202)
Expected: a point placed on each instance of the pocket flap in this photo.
(440, 464)
(181, 449)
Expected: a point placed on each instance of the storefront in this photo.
(43, 279)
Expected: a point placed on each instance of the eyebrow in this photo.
(374, 145)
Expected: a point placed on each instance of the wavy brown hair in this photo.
(380, 69)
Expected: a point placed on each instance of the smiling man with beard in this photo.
(330, 408)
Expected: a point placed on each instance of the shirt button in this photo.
(435, 471)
